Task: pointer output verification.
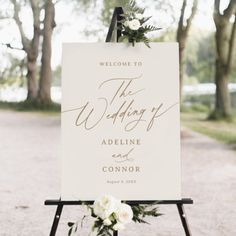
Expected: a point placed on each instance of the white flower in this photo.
(124, 214)
(134, 24)
(139, 16)
(126, 23)
(107, 222)
(118, 226)
(105, 206)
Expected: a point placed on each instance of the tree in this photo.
(30, 46)
(44, 95)
(40, 92)
(200, 57)
(182, 36)
(14, 70)
(225, 38)
(107, 11)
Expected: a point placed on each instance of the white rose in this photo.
(118, 226)
(126, 23)
(105, 206)
(139, 16)
(134, 24)
(107, 222)
(124, 214)
(98, 210)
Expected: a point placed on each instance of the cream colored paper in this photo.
(120, 121)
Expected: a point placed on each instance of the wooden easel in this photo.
(114, 34)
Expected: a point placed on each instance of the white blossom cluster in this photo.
(134, 24)
(113, 212)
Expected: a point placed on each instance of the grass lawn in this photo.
(219, 130)
(52, 109)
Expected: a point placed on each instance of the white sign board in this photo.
(120, 121)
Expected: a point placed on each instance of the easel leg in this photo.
(183, 219)
(115, 233)
(56, 220)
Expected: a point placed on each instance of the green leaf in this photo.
(150, 28)
(124, 38)
(70, 224)
(70, 232)
(146, 19)
(132, 8)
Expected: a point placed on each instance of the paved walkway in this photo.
(30, 173)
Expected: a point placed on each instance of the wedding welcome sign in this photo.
(120, 121)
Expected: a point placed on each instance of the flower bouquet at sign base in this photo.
(112, 215)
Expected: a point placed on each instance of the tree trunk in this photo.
(223, 103)
(182, 36)
(32, 52)
(44, 95)
(222, 98)
(181, 66)
(32, 83)
(225, 40)
(30, 47)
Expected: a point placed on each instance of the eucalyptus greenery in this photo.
(134, 25)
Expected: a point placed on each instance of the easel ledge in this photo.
(55, 202)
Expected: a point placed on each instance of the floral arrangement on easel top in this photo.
(112, 215)
(134, 26)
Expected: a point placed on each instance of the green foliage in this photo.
(232, 76)
(197, 107)
(220, 130)
(9, 105)
(206, 99)
(135, 35)
(57, 76)
(31, 106)
(205, 103)
(220, 135)
(200, 56)
(141, 211)
(166, 36)
(82, 4)
(200, 108)
(73, 227)
(36, 105)
(220, 115)
(149, 28)
(107, 11)
(14, 71)
(101, 229)
(131, 7)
